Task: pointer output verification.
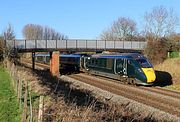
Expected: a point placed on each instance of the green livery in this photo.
(124, 67)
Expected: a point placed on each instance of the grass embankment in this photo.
(171, 66)
(9, 109)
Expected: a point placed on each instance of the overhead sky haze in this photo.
(78, 19)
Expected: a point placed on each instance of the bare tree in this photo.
(9, 36)
(122, 28)
(32, 31)
(8, 33)
(160, 22)
(107, 35)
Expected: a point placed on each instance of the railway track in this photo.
(172, 93)
(156, 89)
(160, 98)
(37, 64)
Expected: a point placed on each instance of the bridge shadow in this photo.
(58, 87)
(162, 79)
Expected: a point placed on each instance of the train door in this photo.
(125, 67)
(86, 62)
(121, 66)
(130, 68)
(82, 63)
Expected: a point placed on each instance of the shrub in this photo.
(174, 54)
(157, 50)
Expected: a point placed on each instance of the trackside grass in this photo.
(9, 109)
(171, 66)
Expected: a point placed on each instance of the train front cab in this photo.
(143, 71)
(140, 70)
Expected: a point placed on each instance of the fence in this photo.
(24, 95)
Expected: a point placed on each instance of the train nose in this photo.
(150, 74)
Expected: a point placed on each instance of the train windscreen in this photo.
(144, 63)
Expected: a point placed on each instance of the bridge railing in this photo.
(76, 44)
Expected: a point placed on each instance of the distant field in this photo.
(171, 66)
(9, 110)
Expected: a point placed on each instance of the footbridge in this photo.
(75, 45)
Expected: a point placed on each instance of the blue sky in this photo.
(78, 19)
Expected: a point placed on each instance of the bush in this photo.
(173, 54)
(157, 50)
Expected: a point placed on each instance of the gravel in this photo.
(131, 104)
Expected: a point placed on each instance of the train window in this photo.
(40, 58)
(100, 63)
(119, 66)
(104, 63)
(47, 59)
(144, 63)
(92, 61)
(109, 63)
(129, 62)
(119, 63)
(96, 62)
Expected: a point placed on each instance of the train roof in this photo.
(61, 55)
(118, 55)
(42, 55)
(70, 55)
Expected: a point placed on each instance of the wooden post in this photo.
(168, 55)
(30, 101)
(19, 92)
(25, 102)
(40, 115)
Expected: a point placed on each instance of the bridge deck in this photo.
(74, 45)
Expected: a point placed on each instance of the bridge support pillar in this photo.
(33, 60)
(54, 63)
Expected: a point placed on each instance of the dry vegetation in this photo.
(171, 66)
(65, 102)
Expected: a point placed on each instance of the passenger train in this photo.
(132, 68)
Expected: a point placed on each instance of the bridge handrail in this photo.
(75, 44)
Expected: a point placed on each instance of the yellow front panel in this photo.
(150, 74)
